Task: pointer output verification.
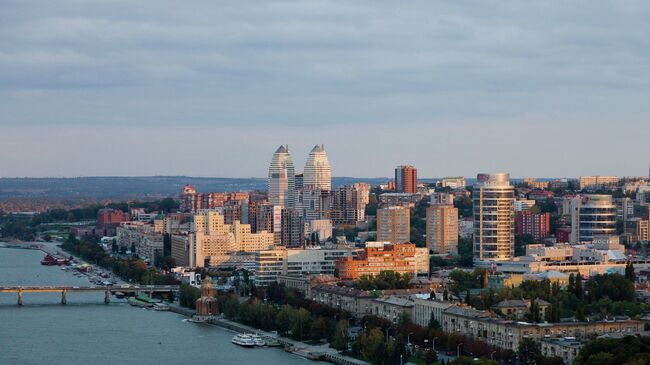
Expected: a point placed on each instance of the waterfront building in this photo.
(537, 225)
(281, 180)
(594, 182)
(207, 305)
(442, 228)
(406, 179)
(378, 257)
(393, 224)
(348, 204)
(269, 264)
(212, 240)
(592, 215)
(494, 217)
(317, 174)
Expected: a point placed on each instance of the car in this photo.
(450, 353)
(125, 286)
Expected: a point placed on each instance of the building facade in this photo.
(406, 179)
(442, 229)
(281, 182)
(317, 174)
(537, 225)
(494, 217)
(378, 257)
(592, 215)
(393, 224)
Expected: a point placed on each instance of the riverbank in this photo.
(311, 352)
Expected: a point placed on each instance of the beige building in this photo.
(506, 334)
(566, 348)
(597, 181)
(424, 309)
(393, 224)
(442, 229)
(391, 308)
(213, 241)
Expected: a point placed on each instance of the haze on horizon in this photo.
(151, 88)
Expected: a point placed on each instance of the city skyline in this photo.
(83, 85)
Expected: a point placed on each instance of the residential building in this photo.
(523, 204)
(494, 217)
(537, 225)
(317, 173)
(590, 182)
(378, 257)
(425, 309)
(111, 218)
(442, 228)
(348, 204)
(624, 208)
(393, 224)
(404, 199)
(313, 203)
(281, 180)
(180, 249)
(536, 184)
(636, 229)
(320, 230)
(292, 230)
(406, 179)
(142, 238)
(518, 308)
(592, 215)
(391, 308)
(566, 348)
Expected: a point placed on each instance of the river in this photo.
(86, 331)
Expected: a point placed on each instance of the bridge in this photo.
(108, 290)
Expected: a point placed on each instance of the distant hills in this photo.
(112, 187)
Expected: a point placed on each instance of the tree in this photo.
(430, 357)
(433, 323)
(341, 337)
(529, 351)
(629, 271)
(372, 345)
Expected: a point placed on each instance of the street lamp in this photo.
(458, 349)
(408, 339)
(492, 355)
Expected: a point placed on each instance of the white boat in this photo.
(160, 307)
(244, 340)
(259, 341)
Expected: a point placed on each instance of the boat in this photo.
(162, 307)
(148, 299)
(272, 342)
(243, 340)
(50, 260)
(119, 295)
(138, 303)
(259, 341)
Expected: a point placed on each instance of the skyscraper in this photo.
(494, 217)
(406, 179)
(393, 224)
(592, 215)
(317, 174)
(281, 181)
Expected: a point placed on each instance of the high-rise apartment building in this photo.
(536, 225)
(313, 203)
(406, 179)
(442, 228)
(494, 217)
(592, 215)
(292, 232)
(317, 174)
(393, 224)
(348, 203)
(281, 180)
(211, 240)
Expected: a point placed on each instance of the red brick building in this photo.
(536, 225)
(111, 218)
(406, 179)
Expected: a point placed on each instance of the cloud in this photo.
(314, 67)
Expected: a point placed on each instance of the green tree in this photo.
(341, 337)
(529, 351)
(430, 357)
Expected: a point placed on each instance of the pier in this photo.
(108, 290)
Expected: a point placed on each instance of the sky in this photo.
(212, 88)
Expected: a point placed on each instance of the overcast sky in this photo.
(211, 88)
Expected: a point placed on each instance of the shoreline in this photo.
(301, 349)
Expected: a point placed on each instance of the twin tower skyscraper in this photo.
(282, 181)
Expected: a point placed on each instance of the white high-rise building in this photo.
(494, 217)
(281, 182)
(592, 215)
(317, 174)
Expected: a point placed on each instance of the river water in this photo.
(86, 331)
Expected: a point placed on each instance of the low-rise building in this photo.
(424, 310)
(518, 308)
(391, 308)
(378, 257)
(566, 348)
